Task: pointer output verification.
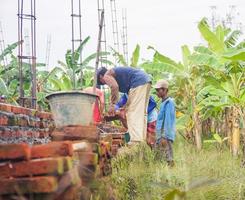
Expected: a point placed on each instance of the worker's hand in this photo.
(111, 110)
(122, 113)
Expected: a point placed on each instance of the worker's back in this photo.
(129, 77)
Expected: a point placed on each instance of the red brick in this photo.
(3, 120)
(52, 149)
(5, 107)
(6, 133)
(44, 133)
(30, 112)
(18, 110)
(44, 115)
(23, 122)
(42, 184)
(33, 167)
(14, 151)
(76, 133)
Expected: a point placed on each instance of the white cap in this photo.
(161, 84)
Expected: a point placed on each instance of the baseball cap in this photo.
(161, 84)
(100, 71)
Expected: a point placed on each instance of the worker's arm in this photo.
(109, 78)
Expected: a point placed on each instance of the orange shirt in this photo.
(98, 105)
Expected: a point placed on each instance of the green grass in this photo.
(208, 174)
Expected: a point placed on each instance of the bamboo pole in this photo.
(98, 50)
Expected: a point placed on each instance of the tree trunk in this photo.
(228, 127)
(197, 128)
(235, 132)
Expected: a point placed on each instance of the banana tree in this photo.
(187, 84)
(222, 65)
(69, 75)
(134, 60)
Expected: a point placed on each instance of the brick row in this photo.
(52, 149)
(15, 151)
(11, 119)
(41, 184)
(76, 133)
(24, 152)
(35, 167)
(10, 132)
(26, 111)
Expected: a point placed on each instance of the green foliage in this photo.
(137, 174)
(135, 56)
(217, 139)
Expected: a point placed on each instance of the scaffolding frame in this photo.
(76, 36)
(124, 35)
(114, 27)
(102, 39)
(25, 16)
(2, 45)
(48, 48)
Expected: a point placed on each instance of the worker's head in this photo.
(100, 75)
(161, 88)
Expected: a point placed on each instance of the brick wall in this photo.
(16, 121)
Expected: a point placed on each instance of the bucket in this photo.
(72, 108)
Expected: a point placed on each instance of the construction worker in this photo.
(165, 127)
(136, 83)
(151, 117)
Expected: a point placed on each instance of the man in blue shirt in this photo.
(137, 84)
(165, 128)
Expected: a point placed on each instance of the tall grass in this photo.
(208, 174)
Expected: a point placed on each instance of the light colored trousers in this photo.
(136, 112)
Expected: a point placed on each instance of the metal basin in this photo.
(71, 108)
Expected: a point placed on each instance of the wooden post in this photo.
(98, 50)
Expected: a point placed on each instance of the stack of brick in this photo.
(105, 156)
(118, 140)
(114, 135)
(16, 121)
(47, 171)
(87, 158)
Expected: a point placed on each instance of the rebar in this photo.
(23, 17)
(125, 35)
(114, 27)
(76, 39)
(48, 48)
(2, 45)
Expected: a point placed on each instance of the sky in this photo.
(165, 25)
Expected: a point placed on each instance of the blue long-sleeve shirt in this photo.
(165, 127)
(124, 98)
